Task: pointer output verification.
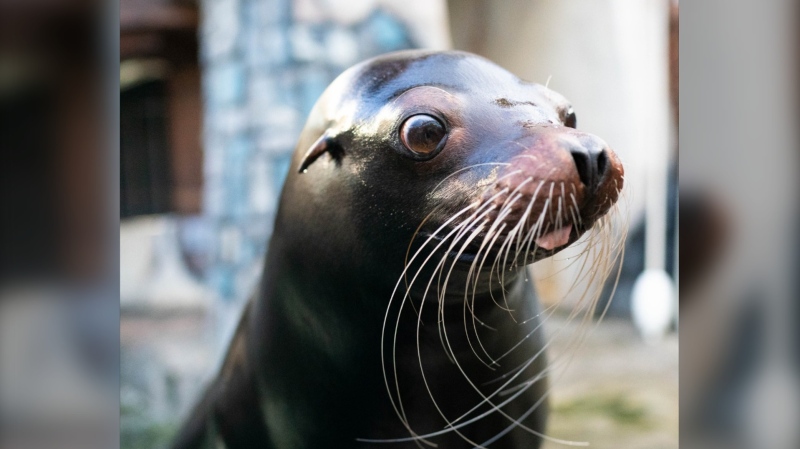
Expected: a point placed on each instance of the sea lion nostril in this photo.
(583, 163)
(602, 164)
(591, 164)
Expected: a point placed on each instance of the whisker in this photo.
(601, 251)
(397, 405)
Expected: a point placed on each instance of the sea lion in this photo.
(393, 310)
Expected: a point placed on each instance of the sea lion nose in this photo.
(591, 161)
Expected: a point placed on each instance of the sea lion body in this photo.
(424, 182)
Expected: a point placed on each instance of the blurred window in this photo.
(144, 150)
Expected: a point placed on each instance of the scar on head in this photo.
(506, 103)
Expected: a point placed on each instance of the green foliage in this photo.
(618, 408)
(138, 432)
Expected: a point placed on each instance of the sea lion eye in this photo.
(422, 134)
(570, 120)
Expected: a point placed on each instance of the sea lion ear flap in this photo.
(325, 144)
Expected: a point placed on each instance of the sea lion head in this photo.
(450, 149)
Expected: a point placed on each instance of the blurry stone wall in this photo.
(265, 63)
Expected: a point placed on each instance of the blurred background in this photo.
(213, 96)
(171, 122)
(59, 261)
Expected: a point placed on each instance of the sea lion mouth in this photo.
(490, 250)
(553, 239)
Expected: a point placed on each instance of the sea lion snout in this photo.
(559, 182)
